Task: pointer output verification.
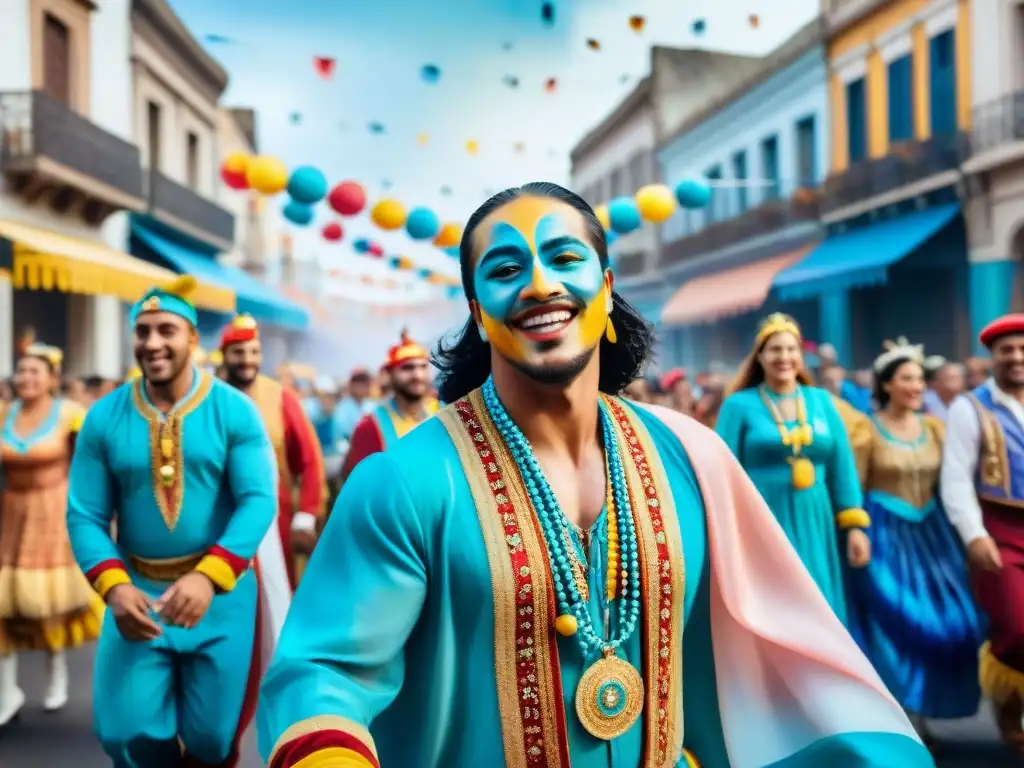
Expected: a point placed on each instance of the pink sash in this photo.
(789, 674)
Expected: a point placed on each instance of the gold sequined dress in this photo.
(46, 603)
(912, 608)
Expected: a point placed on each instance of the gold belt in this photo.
(170, 569)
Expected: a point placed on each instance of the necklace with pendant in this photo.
(610, 693)
(796, 438)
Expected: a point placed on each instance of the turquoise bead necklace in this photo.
(610, 699)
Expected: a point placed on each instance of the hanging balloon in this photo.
(623, 215)
(395, 262)
(297, 213)
(693, 193)
(422, 224)
(449, 236)
(388, 214)
(307, 185)
(602, 215)
(656, 202)
(362, 245)
(424, 273)
(267, 175)
(376, 250)
(233, 170)
(347, 198)
(333, 232)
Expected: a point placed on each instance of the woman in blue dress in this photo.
(912, 605)
(791, 440)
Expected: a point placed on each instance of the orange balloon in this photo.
(449, 236)
(236, 163)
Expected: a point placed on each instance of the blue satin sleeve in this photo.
(729, 425)
(91, 494)
(252, 476)
(843, 479)
(341, 649)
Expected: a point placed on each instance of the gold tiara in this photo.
(776, 323)
(901, 349)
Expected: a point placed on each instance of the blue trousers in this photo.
(185, 689)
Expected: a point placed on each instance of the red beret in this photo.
(1001, 326)
(240, 330)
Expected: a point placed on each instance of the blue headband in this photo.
(170, 298)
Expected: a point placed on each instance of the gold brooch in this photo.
(152, 304)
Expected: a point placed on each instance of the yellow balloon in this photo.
(602, 215)
(656, 202)
(449, 236)
(267, 175)
(236, 162)
(388, 214)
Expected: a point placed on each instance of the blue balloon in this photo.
(424, 273)
(395, 262)
(454, 291)
(610, 237)
(298, 213)
(693, 193)
(422, 224)
(307, 185)
(362, 245)
(623, 215)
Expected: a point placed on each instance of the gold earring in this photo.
(609, 332)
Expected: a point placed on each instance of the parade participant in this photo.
(791, 440)
(519, 571)
(408, 369)
(186, 462)
(912, 604)
(299, 457)
(46, 604)
(355, 404)
(982, 484)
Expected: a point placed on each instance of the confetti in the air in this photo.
(519, 147)
(324, 66)
(594, 45)
(551, 85)
(430, 73)
(510, 81)
(637, 23)
(218, 39)
(698, 26)
(295, 118)
(547, 13)
(377, 128)
(446, 191)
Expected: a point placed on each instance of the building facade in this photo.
(617, 156)
(179, 127)
(763, 146)
(69, 170)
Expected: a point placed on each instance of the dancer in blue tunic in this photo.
(187, 465)
(912, 605)
(790, 438)
(513, 582)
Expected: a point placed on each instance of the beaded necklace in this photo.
(609, 696)
(794, 437)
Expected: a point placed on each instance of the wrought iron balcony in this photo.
(769, 217)
(907, 163)
(185, 209)
(47, 150)
(998, 123)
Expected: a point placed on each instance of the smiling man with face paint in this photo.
(520, 571)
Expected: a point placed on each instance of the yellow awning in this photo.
(52, 262)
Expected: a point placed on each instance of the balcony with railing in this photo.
(185, 209)
(46, 149)
(906, 164)
(998, 124)
(774, 215)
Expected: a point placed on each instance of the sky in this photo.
(381, 46)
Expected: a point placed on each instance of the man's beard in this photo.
(410, 397)
(175, 373)
(236, 381)
(560, 375)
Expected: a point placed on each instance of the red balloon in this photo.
(333, 231)
(235, 180)
(376, 250)
(348, 198)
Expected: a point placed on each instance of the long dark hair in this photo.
(464, 359)
(886, 375)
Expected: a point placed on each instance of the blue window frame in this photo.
(942, 85)
(770, 166)
(856, 119)
(739, 172)
(715, 210)
(901, 99)
(807, 152)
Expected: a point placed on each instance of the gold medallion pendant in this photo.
(609, 697)
(803, 473)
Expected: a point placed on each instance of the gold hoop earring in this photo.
(609, 332)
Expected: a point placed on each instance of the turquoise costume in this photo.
(445, 652)
(192, 489)
(811, 517)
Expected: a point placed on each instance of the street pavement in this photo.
(65, 740)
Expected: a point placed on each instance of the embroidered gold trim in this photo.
(165, 445)
(664, 586)
(170, 569)
(994, 461)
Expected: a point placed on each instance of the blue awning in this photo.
(861, 257)
(255, 298)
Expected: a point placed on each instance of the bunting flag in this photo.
(324, 66)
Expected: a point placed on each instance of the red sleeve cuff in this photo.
(237, 564)
(308, 745)
(106, 575)
(100, 568)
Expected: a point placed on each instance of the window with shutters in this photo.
(192, 160)
(942, 74)
(56, 60)
(901, 99)
(856, 118)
